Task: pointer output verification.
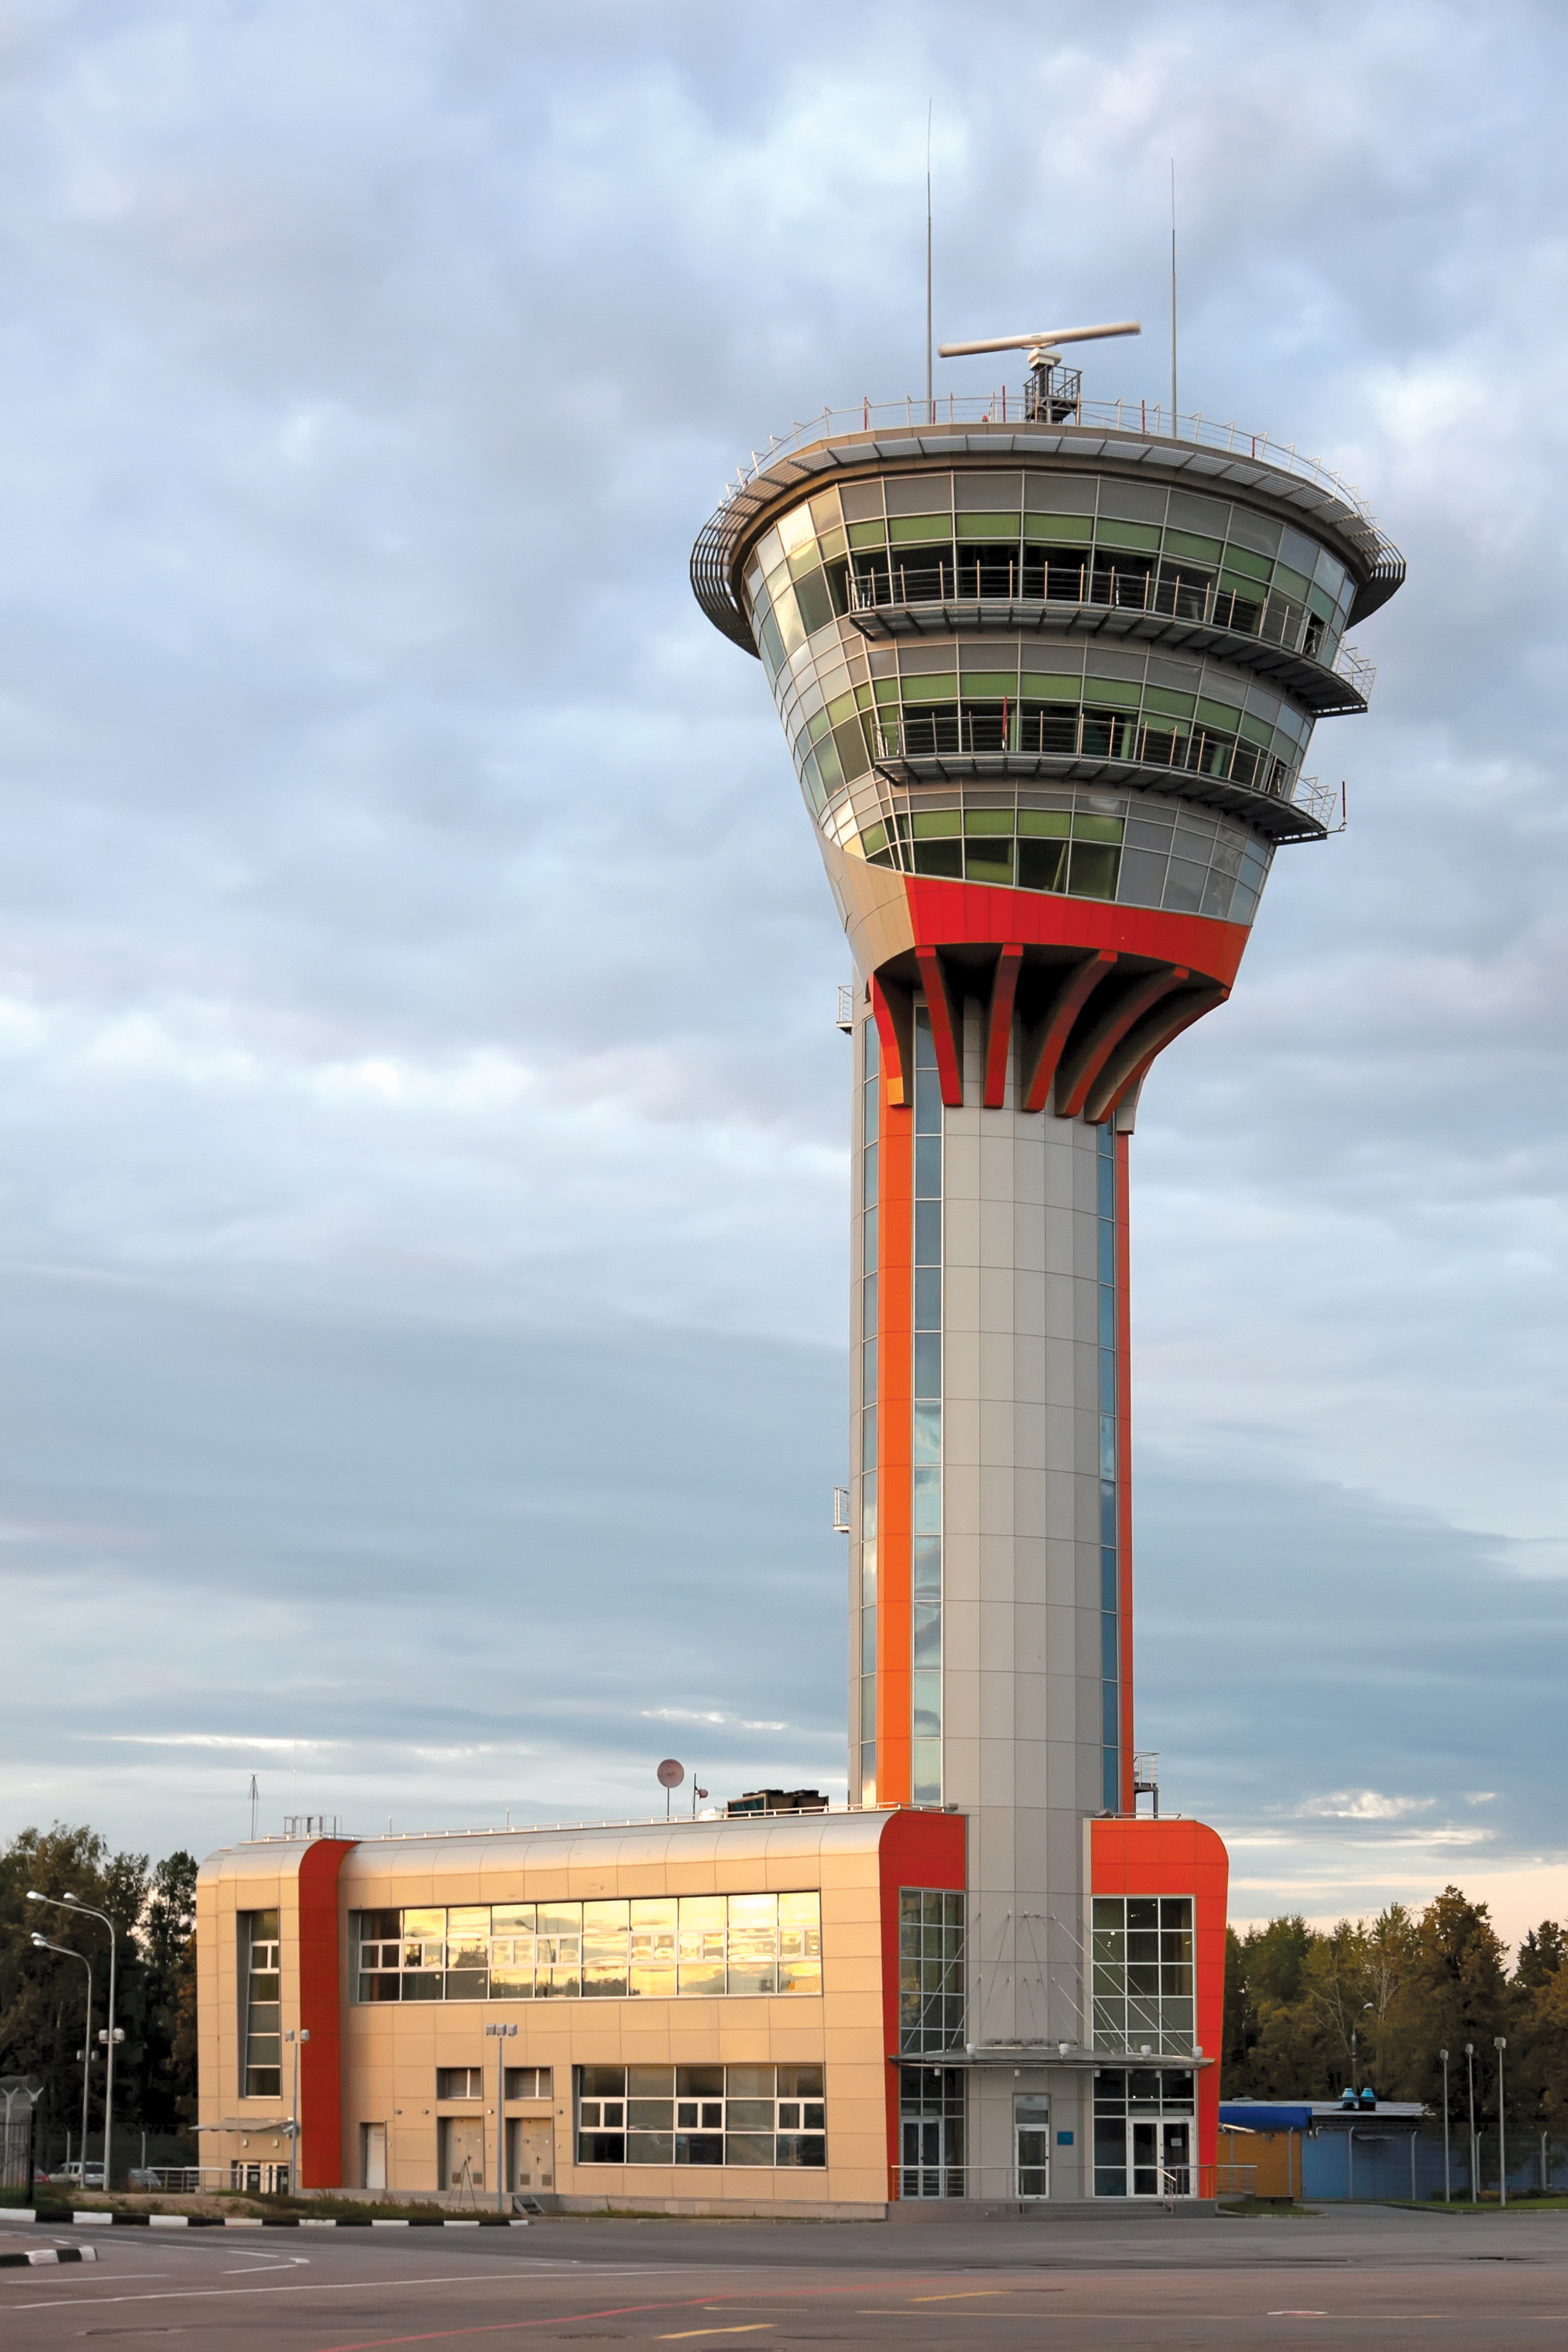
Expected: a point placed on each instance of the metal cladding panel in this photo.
(917, 1849)
(1143, 1857)
(323, 2159)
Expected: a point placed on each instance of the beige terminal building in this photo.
(1048, 672)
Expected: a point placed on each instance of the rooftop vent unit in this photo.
(776, 1801)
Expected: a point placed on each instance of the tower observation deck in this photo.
(1049, 672)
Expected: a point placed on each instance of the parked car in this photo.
(89, 2177)
(138, 2178)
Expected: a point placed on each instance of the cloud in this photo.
(1363, 1805)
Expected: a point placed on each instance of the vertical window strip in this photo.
(925, 1726)
(869, 1155)
(1109, 1576)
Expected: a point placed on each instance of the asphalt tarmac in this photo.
(1369, 2276)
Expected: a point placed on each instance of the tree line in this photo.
(43, 1995)
(1308, 2011)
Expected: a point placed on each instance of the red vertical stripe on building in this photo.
(1124, 1459)
(1179, 1858)
(895, 1444)
(320, 2156)
(915, 1850)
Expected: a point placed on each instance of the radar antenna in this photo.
(1055, 392)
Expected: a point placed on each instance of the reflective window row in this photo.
(1034, 537)
(1143, 1970)
(1138, 851)
(755, 2115)
(655, 1949)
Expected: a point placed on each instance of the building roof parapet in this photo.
(1135, 434)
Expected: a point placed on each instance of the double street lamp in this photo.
(296, 2172)
(42, 1944)
(84, 1911)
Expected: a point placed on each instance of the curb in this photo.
(49, 2255)
(91, 2218)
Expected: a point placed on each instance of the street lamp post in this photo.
(1474, 2162)
(43, 1944)
(296, 2171)
(85, 1911)
(502, 2035)
(1499, 2043)
(1448, 2193)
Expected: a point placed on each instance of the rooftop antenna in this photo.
(931, 379)
(255, 1793)
(1174, 411)
(1054, 392)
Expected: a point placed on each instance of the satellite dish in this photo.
(670, 1773)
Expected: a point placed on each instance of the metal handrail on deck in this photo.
(1274, 619)
(1005, 407)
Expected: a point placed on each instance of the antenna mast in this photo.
(931, 380)
(1175, 412)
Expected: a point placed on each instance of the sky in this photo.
(423, 1127)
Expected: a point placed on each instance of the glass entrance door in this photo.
(1032, 2145)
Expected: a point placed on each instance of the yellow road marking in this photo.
(749, 2329)
(969, 2295)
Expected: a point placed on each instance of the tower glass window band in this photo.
(870, 1068)
(1110, 1554)
(925, 1754)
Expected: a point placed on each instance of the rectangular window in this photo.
(261, 1994)
(932, 1963)
(528, 2083)
(1142, 1989)
(459, 2081)
(771, 2116)
(643, 1949)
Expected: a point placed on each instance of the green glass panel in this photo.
(1256, 731)
(887, 689)
(832, 544)
(841, 707)
(1322, 605)
(912, 531)
(988, 861)
(1074, 530)
(874, 837)
(1176, 705)
(931, 823)
(942, 687)
(816, 725)
(1232, 584)
(988, 821)
(989, 682)
(1109, 533)
(1040, 687)
(1042, 865)
(988, 526)
(1119, 694)
(1294, 584)
(1093, 870)
(1054, 823)
(853, 755)
(1242, 559)
(1218, 714)
(1190, 542)
(868, 535)
(944, 858)
(1097, 828)
(816, 603)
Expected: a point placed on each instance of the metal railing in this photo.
(1007, 406)
(1165, 593)
(1083, 734)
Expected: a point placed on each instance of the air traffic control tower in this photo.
(1049, 670)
